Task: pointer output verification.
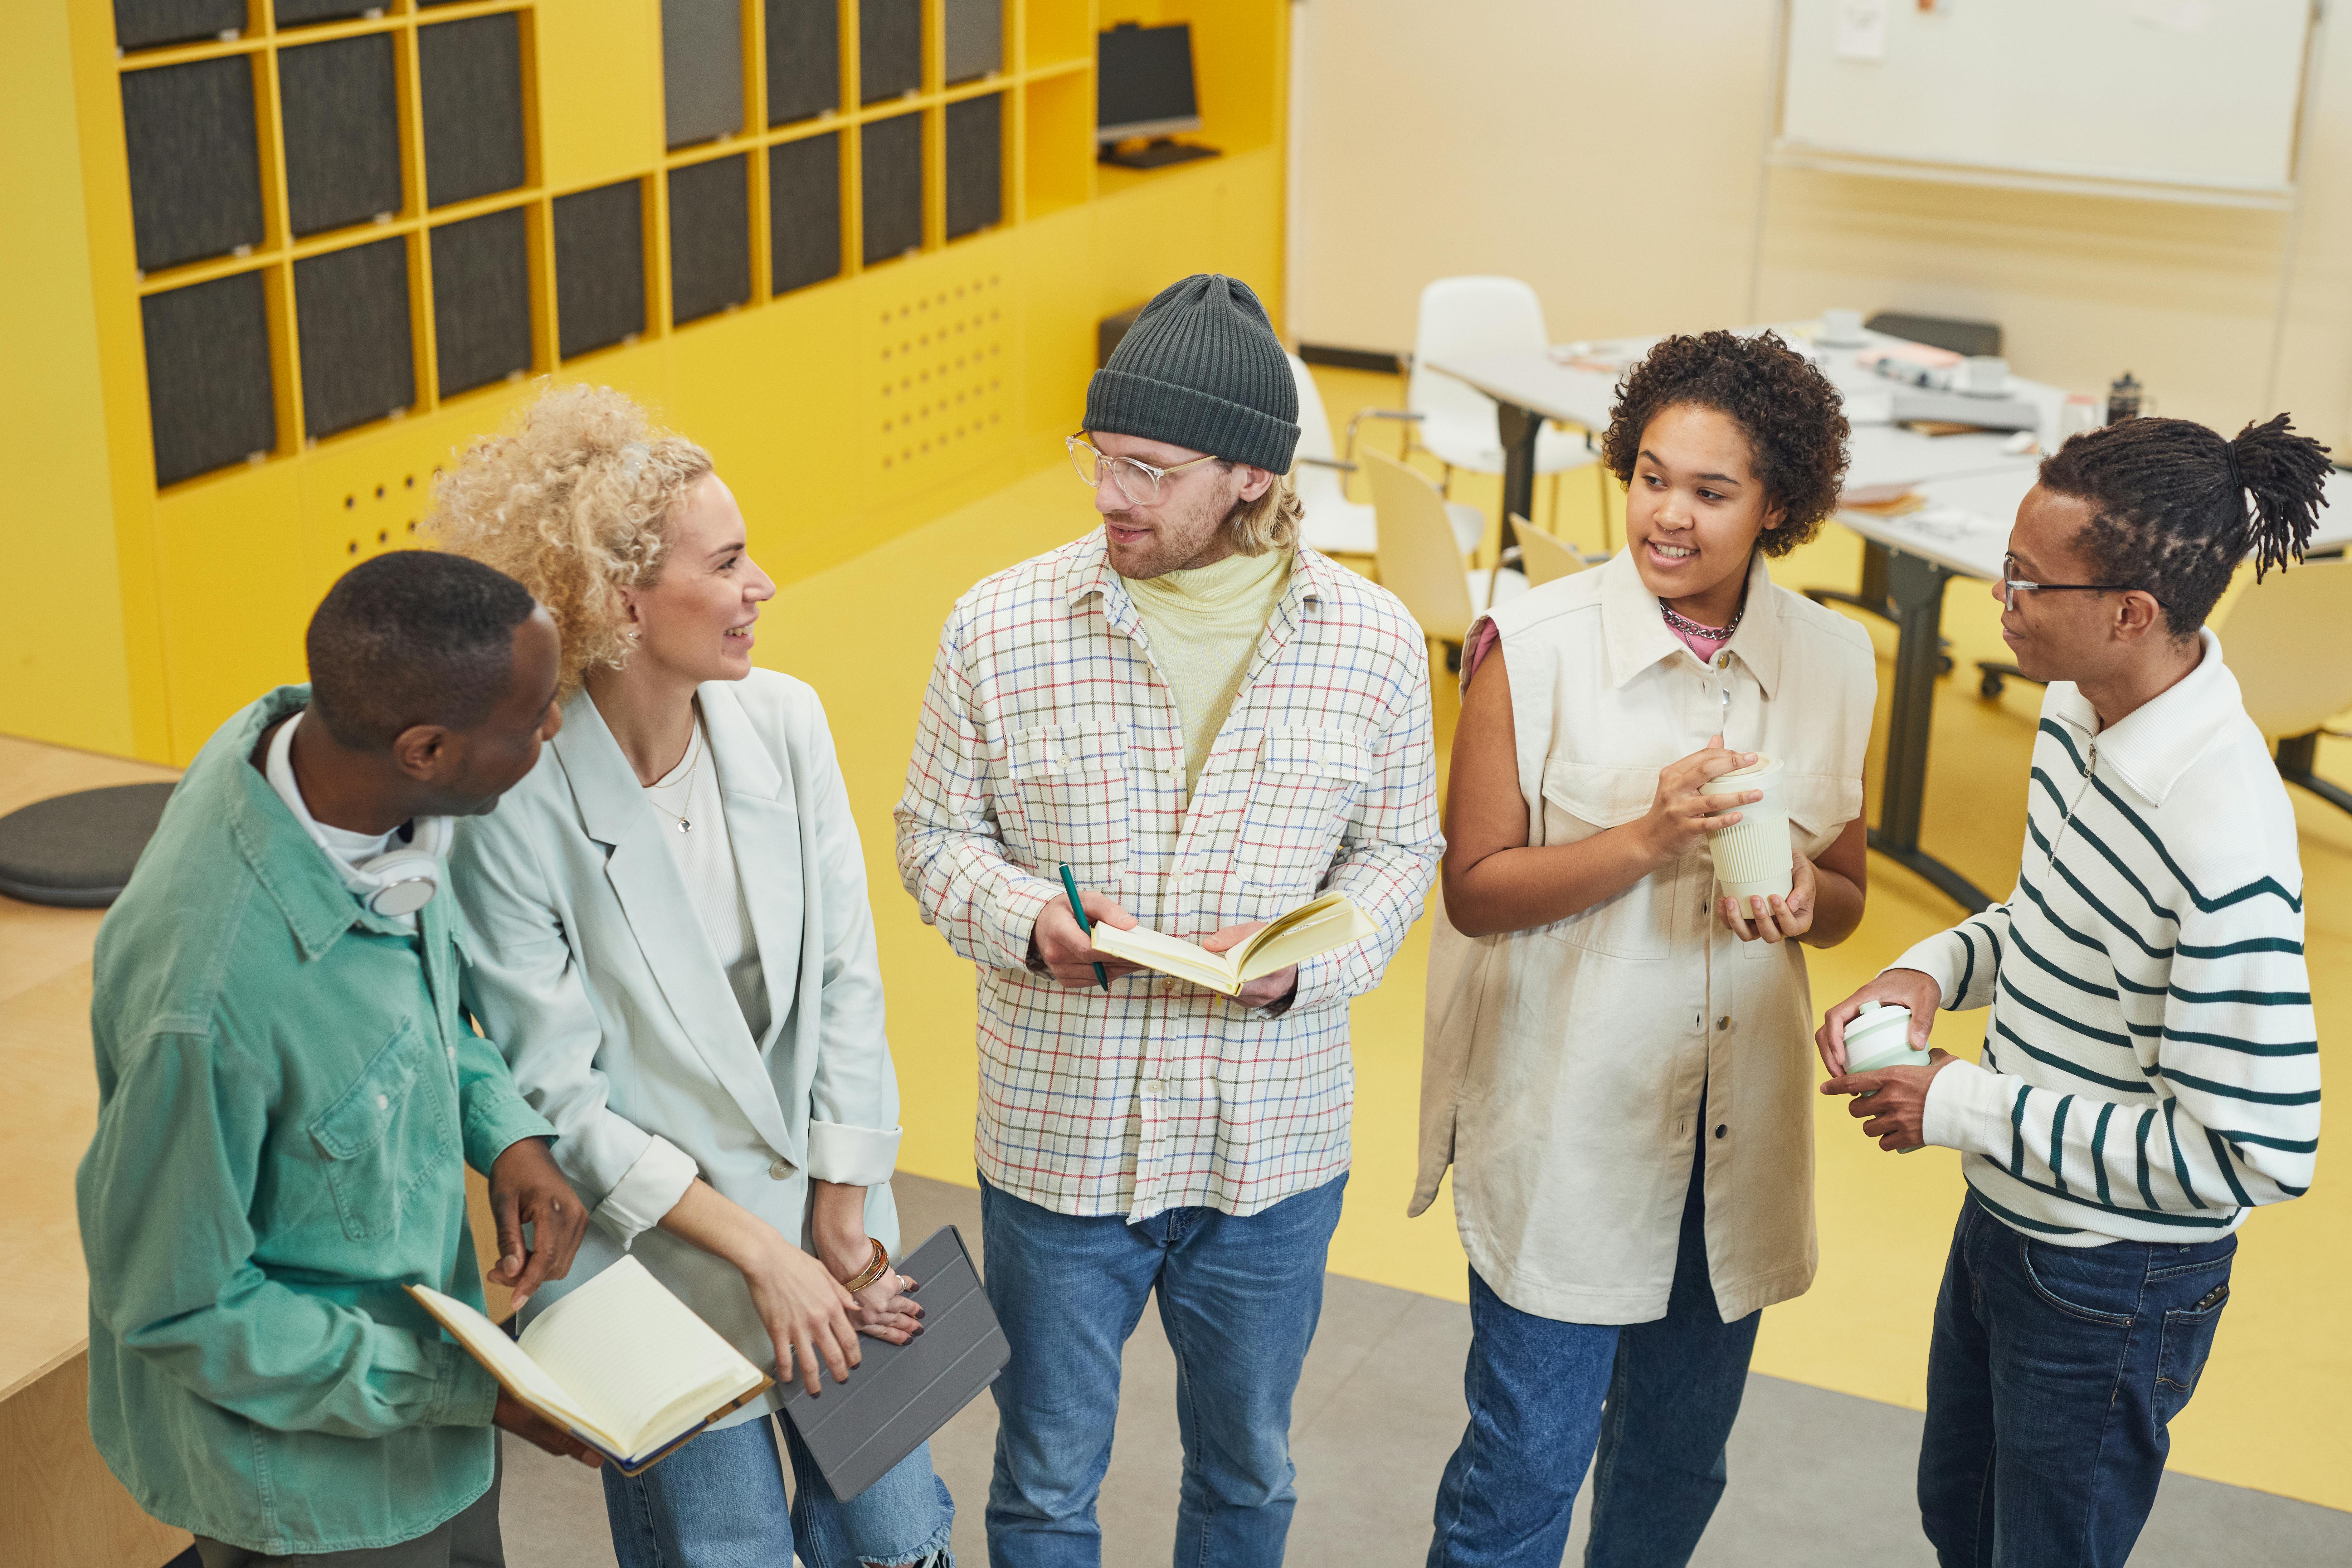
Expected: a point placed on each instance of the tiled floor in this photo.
(1817, 1478)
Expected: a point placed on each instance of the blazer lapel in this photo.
(763, 822)
(668, 932)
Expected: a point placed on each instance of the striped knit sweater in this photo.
(2151, 1068)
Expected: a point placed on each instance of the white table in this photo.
(1963, 531)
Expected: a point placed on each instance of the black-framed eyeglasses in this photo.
(1138, 481)
(2012, 585)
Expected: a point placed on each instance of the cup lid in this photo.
(1877, 1021)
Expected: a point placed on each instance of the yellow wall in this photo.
(843, 413)
(1608, 153)
(63, 673)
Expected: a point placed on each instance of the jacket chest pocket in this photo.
(385, 1136)
(1306, 779)
(1070, 781)
(1580, 799)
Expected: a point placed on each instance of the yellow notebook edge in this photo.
(563, 1422)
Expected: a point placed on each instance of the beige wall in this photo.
(1606, 151)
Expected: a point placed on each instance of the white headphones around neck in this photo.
(400, 881)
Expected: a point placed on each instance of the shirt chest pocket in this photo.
(1580, 800)
(387, 1135)
(1306, 780)
(1070, 784)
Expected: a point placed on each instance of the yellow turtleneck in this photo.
(1203, 624)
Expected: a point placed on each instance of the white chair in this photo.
(1421, 559)
(1544, 557)
(1464, 316)
(2290, 693)
(1334, 525)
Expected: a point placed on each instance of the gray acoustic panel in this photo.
(600, 267)
(709, 237)
(195, 161)
(974, 44)
(481, 300)
(889, 49)
(702, 69)
(294, 12)
(350, 323)
(900, 1394)
(804, 58)
(208, 396)
(975, 163)
(341, 115)
(145, 24)
(471, 74)
(804, 211)
(892, 153)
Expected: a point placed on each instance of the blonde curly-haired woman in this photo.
(675, 953)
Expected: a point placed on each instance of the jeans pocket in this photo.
(2085, 1283)
(2180, 1354)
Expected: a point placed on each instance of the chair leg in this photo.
(1445, 485)
(2297, 754)
(1554, 525)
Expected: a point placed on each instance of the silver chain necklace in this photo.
(1682, 623)
(687, 782)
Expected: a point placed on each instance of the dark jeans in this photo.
(2054, 1374)
(1658, 1399)
(1238, 1298)
(469, 1539)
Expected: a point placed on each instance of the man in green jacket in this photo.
(287, 1090)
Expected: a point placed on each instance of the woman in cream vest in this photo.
(1617, 1066)
(672, 945)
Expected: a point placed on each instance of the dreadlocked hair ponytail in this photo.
(2168, 512)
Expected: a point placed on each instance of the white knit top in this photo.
(706, 864)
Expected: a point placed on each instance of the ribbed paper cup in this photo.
(1751, 857)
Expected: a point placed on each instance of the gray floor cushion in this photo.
(77, 849)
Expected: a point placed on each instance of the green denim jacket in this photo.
(286, 1088)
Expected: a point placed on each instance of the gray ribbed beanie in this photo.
(1201, 368)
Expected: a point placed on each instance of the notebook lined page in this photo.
(622, 1343)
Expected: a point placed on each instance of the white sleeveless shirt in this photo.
(1563, 1067)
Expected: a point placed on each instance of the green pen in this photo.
(1086, 926)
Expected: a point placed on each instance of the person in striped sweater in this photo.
(2150, 1070)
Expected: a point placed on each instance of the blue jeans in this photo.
(1238, 1298)
(2052, 1379)
(1658, 1398)
(718, 1502)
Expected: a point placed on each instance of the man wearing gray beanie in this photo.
(1207, 725)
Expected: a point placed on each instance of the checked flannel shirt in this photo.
(1048, 735)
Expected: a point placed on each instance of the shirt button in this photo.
(779, 1167)
(1724, 1022)
(452, 1051)
(1155, 1086)
(1720, 1130)
(384, 1102)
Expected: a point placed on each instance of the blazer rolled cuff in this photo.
(496, 1120)
(1013, 920)
(648, 1190)
(851, 1156)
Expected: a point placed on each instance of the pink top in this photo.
(1484, 636)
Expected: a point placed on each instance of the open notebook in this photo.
(620, 1363)
(1312, 928)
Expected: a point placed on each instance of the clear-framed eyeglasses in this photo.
(1138, 483)
(2012, 585)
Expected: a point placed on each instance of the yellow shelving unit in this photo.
(842, 412)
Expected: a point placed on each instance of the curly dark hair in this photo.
(2169, 505)
(1793, 418)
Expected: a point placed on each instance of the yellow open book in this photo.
(620, 1364)
(1312, 928)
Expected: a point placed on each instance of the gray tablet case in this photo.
(899, 1394)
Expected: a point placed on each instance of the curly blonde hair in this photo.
(1269, 523)
(573, 505)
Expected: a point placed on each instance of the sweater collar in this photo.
(2151, 746)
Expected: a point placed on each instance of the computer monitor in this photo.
(1143, 83)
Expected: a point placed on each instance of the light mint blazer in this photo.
(592, 970)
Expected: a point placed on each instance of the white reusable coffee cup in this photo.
(1751, 855)
(1841, 328)
(1880, 1037)
(1982, 375)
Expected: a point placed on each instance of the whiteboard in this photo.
(2164, 93)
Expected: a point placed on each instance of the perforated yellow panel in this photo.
(942, 373)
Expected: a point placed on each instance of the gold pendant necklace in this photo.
(687, 782)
